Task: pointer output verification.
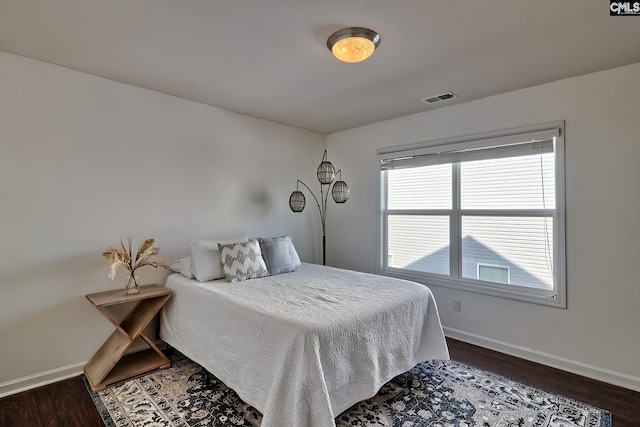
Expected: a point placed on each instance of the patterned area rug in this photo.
(435, 393)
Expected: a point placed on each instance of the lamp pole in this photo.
(339, 191)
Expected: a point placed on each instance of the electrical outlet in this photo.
(456, 305)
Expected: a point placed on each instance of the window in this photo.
(493, 273)
(484, 214)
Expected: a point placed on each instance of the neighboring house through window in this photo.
(482, 213)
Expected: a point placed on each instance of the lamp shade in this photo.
(326, 172)
(340, 192)
(297, 201)
(353, 44)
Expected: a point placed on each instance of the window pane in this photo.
(419, 243)
(524, 245)
(509, 183)
(425, 187)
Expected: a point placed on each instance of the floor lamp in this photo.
(339, 191)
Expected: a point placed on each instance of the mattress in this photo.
(302, 347)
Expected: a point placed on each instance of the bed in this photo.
(303, 347)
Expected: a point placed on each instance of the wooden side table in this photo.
(109, 365)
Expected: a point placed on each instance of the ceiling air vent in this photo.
(439, 98)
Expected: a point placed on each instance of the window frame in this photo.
(555, 297)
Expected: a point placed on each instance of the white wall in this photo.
(599, 334)
(85, 161)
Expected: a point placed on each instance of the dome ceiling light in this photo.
(353, 44)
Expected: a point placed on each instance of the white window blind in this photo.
(500, 147)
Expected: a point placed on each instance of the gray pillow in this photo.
(279, 254)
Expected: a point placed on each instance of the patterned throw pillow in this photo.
(242, 261)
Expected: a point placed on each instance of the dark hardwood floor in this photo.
(623, 403)
(67, 403)
(62, 404)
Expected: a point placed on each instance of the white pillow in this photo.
(183, 266)
(242, 261)
(205, 258)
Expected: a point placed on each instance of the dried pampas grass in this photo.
(123, 257)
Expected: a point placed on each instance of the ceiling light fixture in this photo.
(353, 44)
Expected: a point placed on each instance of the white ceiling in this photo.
(268, 58)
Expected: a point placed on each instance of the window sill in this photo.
(524, 294)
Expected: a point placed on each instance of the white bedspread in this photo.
(303, 347)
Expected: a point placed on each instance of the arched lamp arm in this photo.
(317, 203)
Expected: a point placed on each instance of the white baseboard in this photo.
(612, 377)
(54, 375)
(590, 371)
(37, 380)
